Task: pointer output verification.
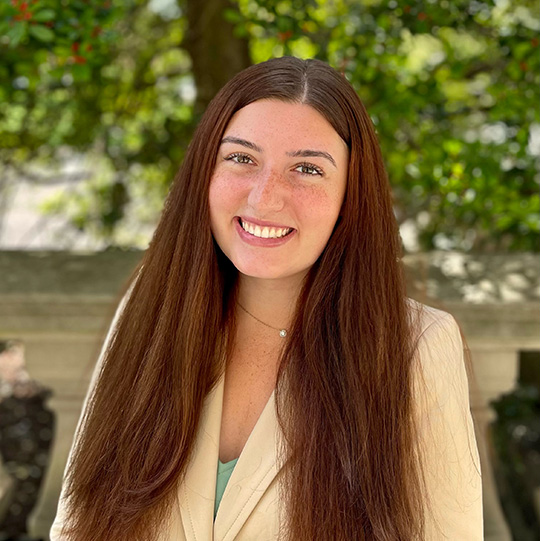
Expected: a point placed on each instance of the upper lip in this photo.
(263, 223)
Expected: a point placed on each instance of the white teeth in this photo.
(265, 232)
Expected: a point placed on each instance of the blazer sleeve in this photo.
(55, 533)
(447, 440)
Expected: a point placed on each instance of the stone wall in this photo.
(60, 306)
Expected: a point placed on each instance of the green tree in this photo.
(451, 87)
(112, 79)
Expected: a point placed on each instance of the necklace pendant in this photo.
(283, 333)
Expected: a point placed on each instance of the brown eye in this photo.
(310, 170)
(238, 157)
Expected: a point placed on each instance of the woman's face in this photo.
(277, 188)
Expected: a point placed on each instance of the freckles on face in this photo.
(319, 210)
(280, 165)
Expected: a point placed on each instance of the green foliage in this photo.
(109, 84)
(451, 86)
(50, 51)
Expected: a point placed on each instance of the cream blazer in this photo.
(249, 509)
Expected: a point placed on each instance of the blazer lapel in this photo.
(256, 468)
(197, 492)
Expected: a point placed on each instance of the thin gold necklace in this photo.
(282, 332)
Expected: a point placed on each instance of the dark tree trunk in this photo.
(216, 53)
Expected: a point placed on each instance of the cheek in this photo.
(222, 196)
(318, 205)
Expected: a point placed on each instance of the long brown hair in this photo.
(343, 394)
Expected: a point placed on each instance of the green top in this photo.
(223, 473)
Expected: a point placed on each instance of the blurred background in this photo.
(98, 101)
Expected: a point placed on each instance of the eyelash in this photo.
(318, 171)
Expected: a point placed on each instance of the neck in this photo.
(272, 301)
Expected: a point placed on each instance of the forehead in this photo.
(276, 122)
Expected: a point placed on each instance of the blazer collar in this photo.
(256, 468)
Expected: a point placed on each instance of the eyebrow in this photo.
(295, 154)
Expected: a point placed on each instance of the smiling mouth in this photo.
(265, 232)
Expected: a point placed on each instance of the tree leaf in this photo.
(42, 33)
(16, 33)
(81, 72)
(44, 15)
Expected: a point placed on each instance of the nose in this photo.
(267, 192)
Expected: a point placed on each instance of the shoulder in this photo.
(446, 437)
(434, 331)
(438, 350)
(427, 316)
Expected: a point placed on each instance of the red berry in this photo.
(284, 36)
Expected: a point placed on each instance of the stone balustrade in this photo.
(60, 305)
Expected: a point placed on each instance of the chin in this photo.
(265, 274)
(262, 271)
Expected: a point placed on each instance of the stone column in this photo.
(65, 362)
(495, 373)
(60, 304)
(67, 412)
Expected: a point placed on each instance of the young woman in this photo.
(266, 362)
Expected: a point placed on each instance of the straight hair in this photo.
(344, 392)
